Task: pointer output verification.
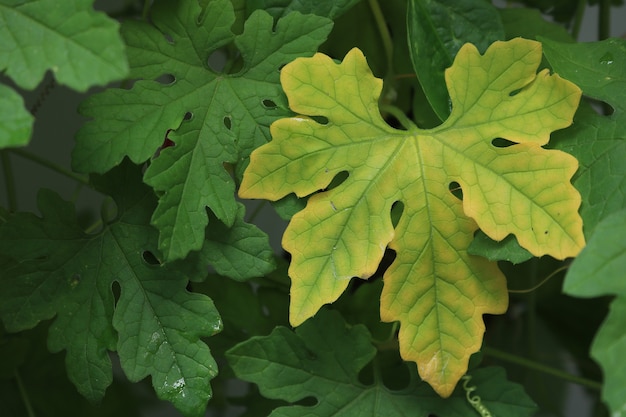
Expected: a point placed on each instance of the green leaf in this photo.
(80, 46)
(229, 114)
(599, 270)
(598, 142)
(506, 250)
(239, 252)
(155, 325)
(434, 288)
(16, 123)
(436, 31)
(280, 8)
(323, 359)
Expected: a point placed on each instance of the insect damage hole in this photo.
(149, 258)
(228, 122)
(269, 104)
(502, 143)
(455, 189)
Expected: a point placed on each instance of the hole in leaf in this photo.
(395, 373)
(188, 116)
(217, 61)
(396, 212)
(116, 289)
(338, 180)
(320, 119)
(228, 122)
(502, 143)
(455, 189)
(269, 104)
(515, 92)
(149, 258)
(166, 79)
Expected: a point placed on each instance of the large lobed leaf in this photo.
(434, 288)
(323, 359)
(80, 46)
(155, 324)
(599, 142)
(228, 114)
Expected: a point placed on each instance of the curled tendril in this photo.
(475, 400)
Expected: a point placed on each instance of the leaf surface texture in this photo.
(434, 288)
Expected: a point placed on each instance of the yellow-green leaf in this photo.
(434, 288)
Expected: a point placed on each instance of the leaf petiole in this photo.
(543, 281)
(51, 165)
(384, 33)
(399, 115)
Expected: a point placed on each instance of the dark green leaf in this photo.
(280, 8)
(437, 29)
(240, 252)
(155, 324)
(599, 270)
(323, 358)
(228, 114)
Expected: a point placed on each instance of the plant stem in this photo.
(578, 18)
(398, 114)
(384, 33)
(256, 211)
(9, 180)
(543, 281)
(51, 165)
(604, 19)
(518, 360)
(20, 385)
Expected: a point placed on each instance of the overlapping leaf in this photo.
(229, 114)
(155, 325)
(599, 270)
(599, 142)
(280, 8)
(434, 288)
(323, 359)
(436, 31)
(81, 47)
(16, 123)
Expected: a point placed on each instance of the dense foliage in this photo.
(451, 172)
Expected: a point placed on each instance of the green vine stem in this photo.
(604, 20)
(398, 114)
(384, 33)
(51, 165)
(530, 364)
(9, 180)
(578, 17)
(20, 385)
